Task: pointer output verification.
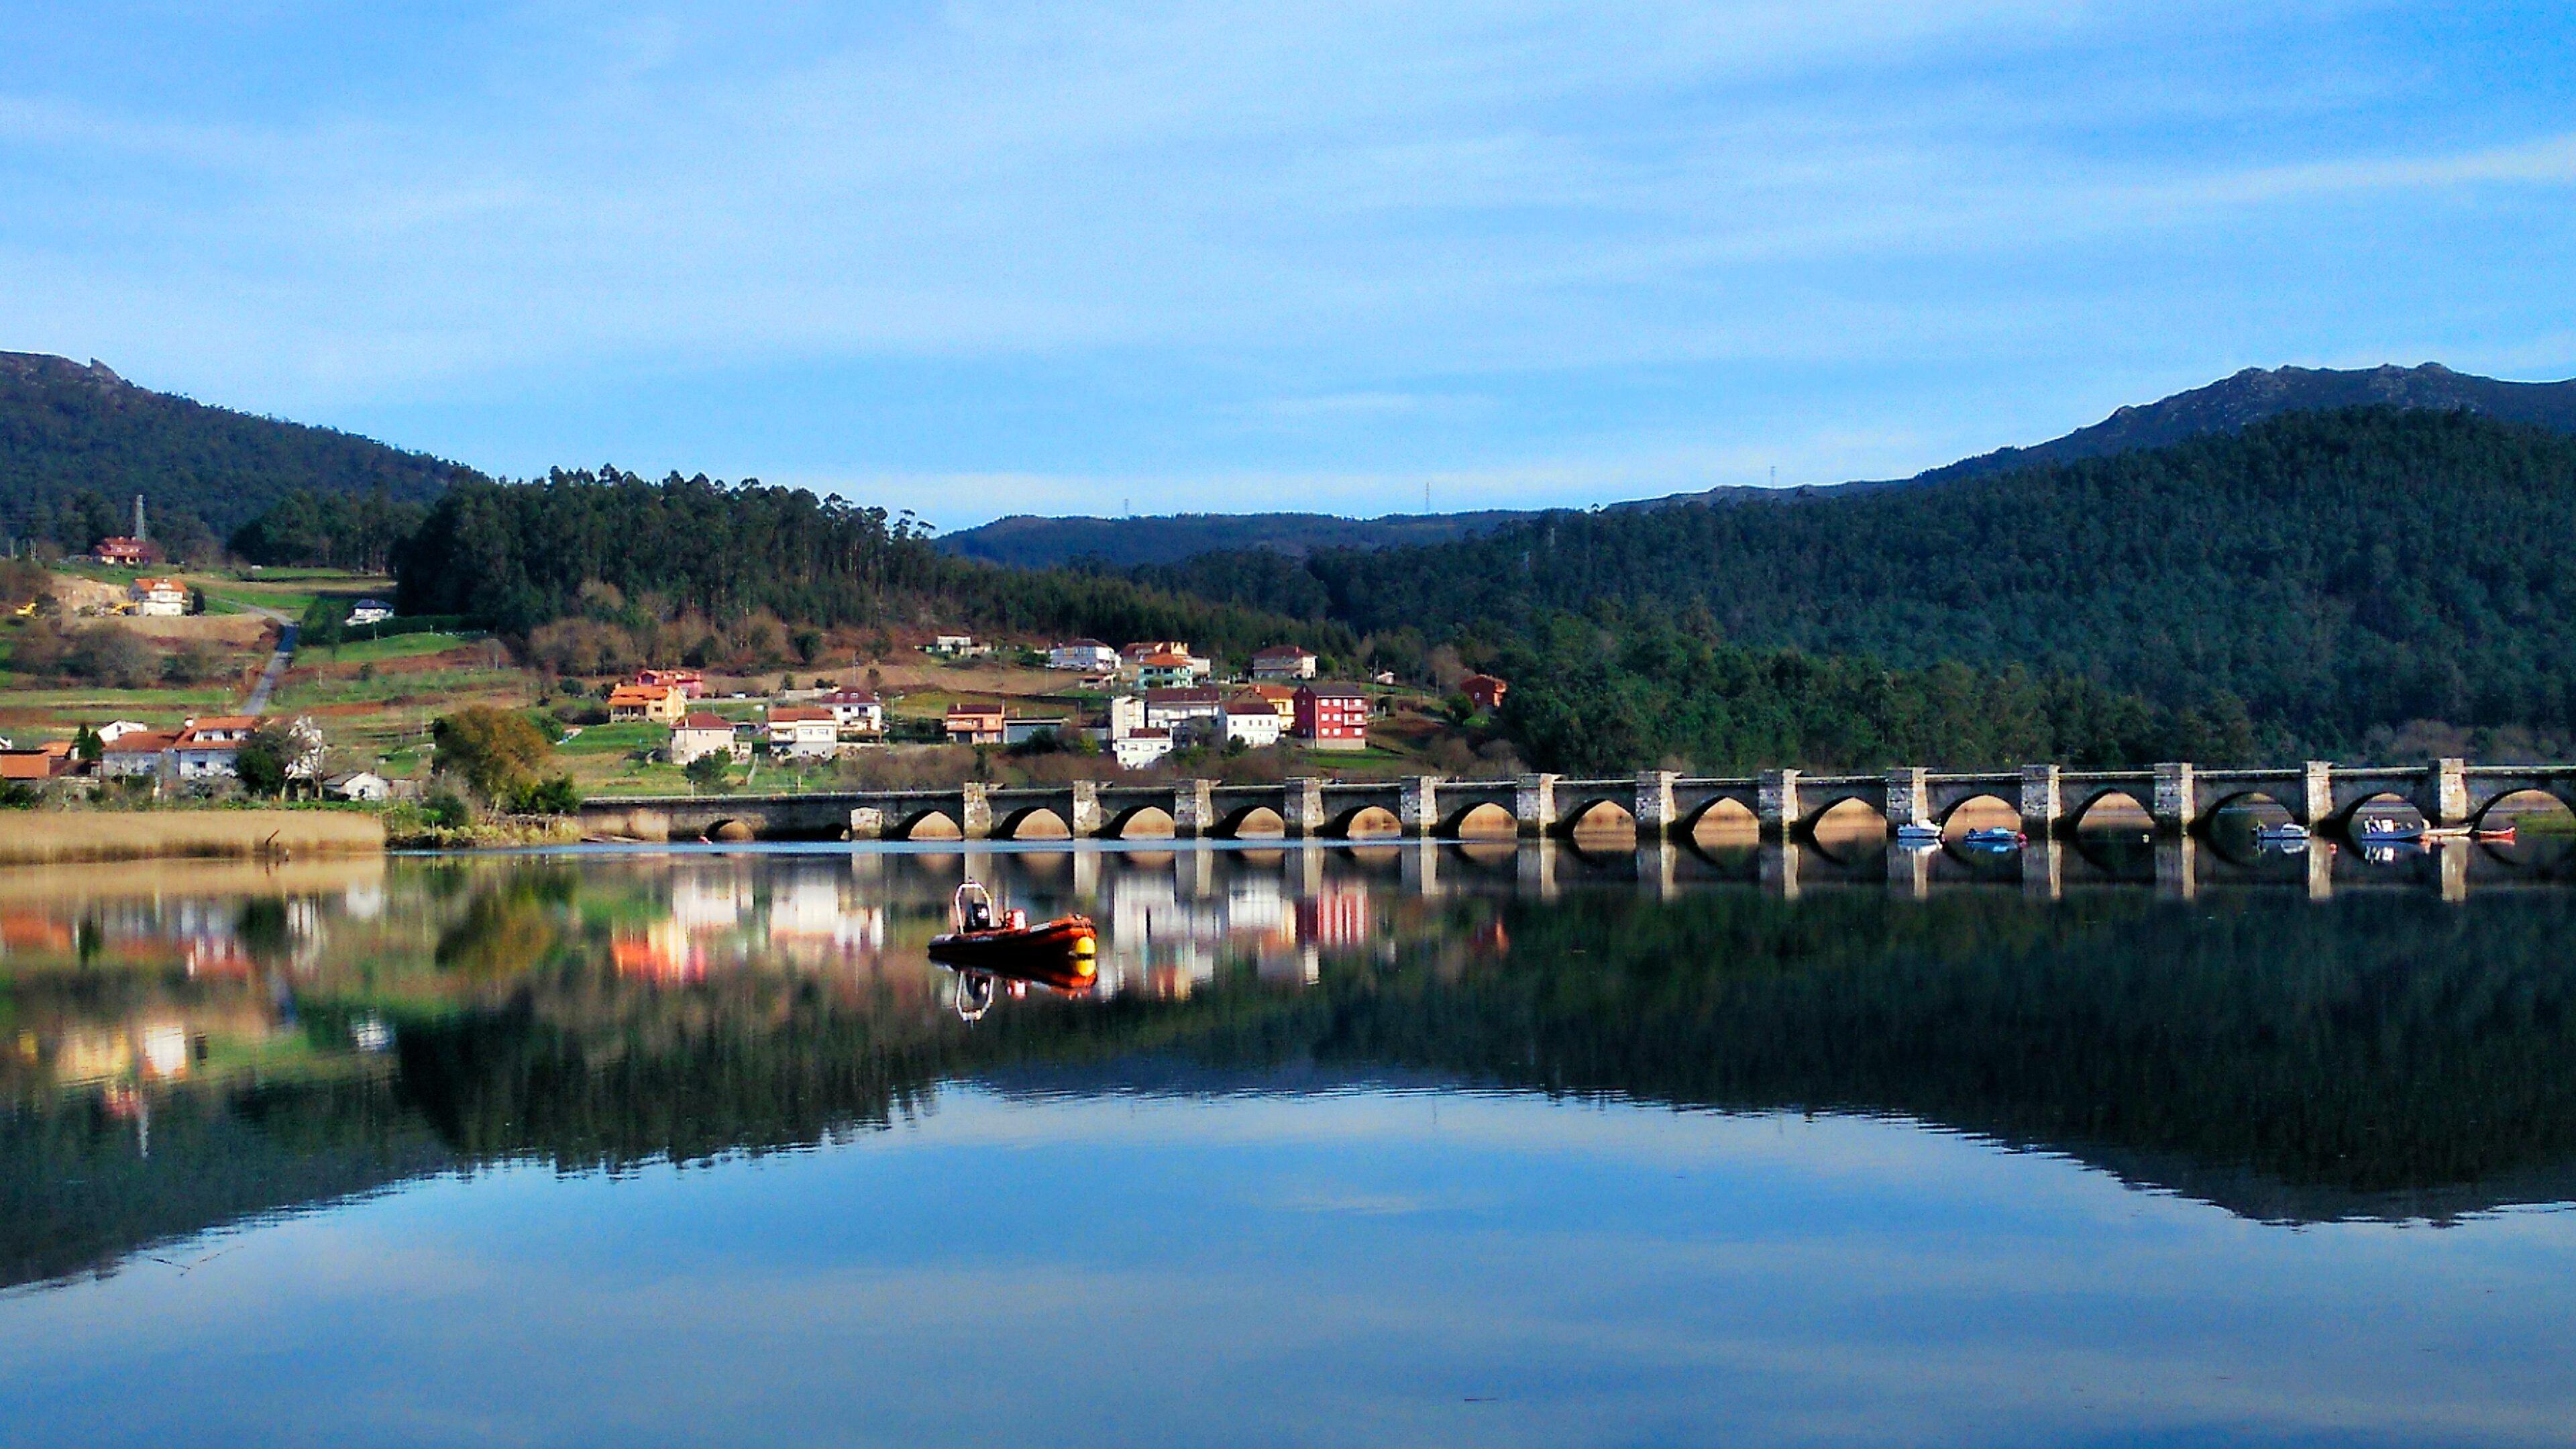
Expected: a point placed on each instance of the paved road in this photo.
(276, 669)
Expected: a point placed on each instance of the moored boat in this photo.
(1994, 836)
(1062, 953)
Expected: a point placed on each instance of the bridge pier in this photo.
(1909, 797)
(1301, 812)
(2446, 793)
(1418, 806)
(1534, 806)
(1776, 808)
(974, 811)
(867, 822)
(2175, 807)
(1193, 809)
(1082, 817)
(1654, 813)
(2315, 805)
(2042, 803)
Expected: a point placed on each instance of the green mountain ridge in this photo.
(77, 443)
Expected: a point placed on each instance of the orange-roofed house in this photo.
(1483, 691)
(658, 703)
(161, 598)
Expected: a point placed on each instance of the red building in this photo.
(1332, 717)
(1483, 691)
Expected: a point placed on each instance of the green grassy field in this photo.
(370, 651)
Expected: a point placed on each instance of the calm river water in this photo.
(1399, 1145)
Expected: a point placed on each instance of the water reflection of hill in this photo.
(188, 1060)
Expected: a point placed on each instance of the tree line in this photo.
(2333, 571)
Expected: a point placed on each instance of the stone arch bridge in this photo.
(2178, 797)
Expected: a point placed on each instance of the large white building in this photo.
(1144, 747)
(1251, 722)
(1088, 655)
(165, 598)
(702, 734)
(800, 733)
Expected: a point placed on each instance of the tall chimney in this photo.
(139, 535)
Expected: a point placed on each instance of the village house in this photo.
(1332, 717)
(1251, 722)
(160, 598)
(1179, 711)
(117, 729)
(802, 733)
(138, 754)
(1126, 716)
(958, 646)
(1136, 751)
(210, 748)
(358, 785)
(1283, 661)
(1483, 691)
(1281, 698)
(126, 552)
(691, 683)
(1168, 671)
(657, 703)
(1088, 655)
(857, 713)
(1167, 656)
(700, 734)
(37, 765)
(974, 723)
(369, 611)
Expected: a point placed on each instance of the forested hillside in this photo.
(77, 443)
(525, 554)
(1028, 542)
(2334, 571)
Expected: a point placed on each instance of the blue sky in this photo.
(978, 259)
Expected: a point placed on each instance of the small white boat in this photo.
(1918, 832)
(2290, 836)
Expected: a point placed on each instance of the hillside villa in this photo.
(857, 713)
(128, 553)
(1283, 661)
(369, 611)
(804, 733)
(160, 598)
(701, 734)
(658, 703)
(1088, 655)
(976, 723)
(1483, 691)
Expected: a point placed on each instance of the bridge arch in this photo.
(1254, 822)
(1379, 823)
(1138, 822)
(729, 831)
(1489, 821)
(1596, 812)
(1725, 812)
(2207, 815)
(2348, 813)
(911, 826)
(2529, 798)
(1846, 802)
(1942, 815)
(1032, 822)
(2080, 807)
